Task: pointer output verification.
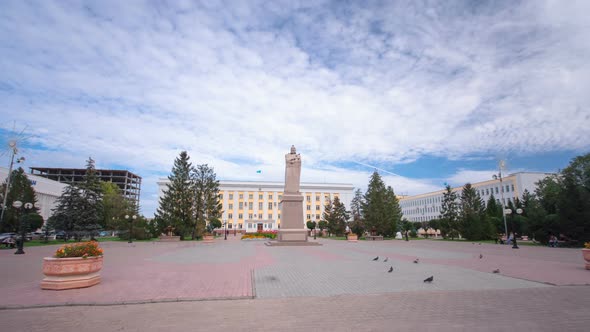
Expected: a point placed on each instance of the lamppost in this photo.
(133, 217)
(225, 229)
(501, 165)
(519, 212)
(27, 206)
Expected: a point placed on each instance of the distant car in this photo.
(60, 235)
(103, 233)
(6, 235)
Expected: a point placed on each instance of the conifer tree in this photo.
(336, 216)
(393, 213)
(449, 223)
(176, 204)
(374, 206)
(89, 215)
(20, 190)
(473, 222)
(207, 205)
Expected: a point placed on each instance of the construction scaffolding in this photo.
(129, 184)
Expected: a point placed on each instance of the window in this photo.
(240, 226)
(487, 191)
(270, 216)
(260, 196)
(260, 216)
(280, 197)
(230, 216)
(317, 198)
(269, 196)
(249, 225)
(220, 196)
(308, 207)
(250, 216)
(512, 187)
(240, 216)
(241, 196)
(317, 216)
(231, 196)
(241, 205)
(317, 207)
(260, 206)
(230, 206)
(309, 217)
(250, 196)
(279, 216)
(496, 190)
(250, 205)
(308, 198)
(229, 225)
(270, 205)
(507, 188)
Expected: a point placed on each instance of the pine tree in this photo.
(449, 223)
(336, 216)
(65, 214)
(494, 216)
(90, 216)
(393, 212)
(176, 203)
(207, 205)
(473, 223)
(327, 216)
(374, 207)
(357, 226)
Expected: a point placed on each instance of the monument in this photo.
(293, 230)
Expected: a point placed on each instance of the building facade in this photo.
(47, 192)
(129, 184)
(425, 207)
(256, 206)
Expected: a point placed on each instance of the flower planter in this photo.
(69, 273)
(352, 238)
(586, 254)
(208, 238)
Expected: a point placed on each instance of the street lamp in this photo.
(27, 206)
(225, 229)
(519, 212)
(501, 165)
(133, 217)
(12, 146)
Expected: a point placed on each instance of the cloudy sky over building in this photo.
(427, 92)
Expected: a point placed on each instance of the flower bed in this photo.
(260, 235)
(82, 249)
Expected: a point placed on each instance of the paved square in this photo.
(338, 277)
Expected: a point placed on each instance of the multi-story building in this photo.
(129, 184)
(425, 207)
(46, 191)
(256, 206)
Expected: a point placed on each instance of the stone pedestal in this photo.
(292, 228)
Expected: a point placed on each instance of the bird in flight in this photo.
(390, 269)
(386, 259)
(416, 260)
(429, 279)
(376, 258)
(496, 271)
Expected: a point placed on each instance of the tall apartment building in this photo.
(129, 184)
(256, 206)
(427, 206)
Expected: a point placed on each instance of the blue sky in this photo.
(428, 92)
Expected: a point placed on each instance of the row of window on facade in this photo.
(432, 209)
(251, 216)
(438, 199)
(250, 196)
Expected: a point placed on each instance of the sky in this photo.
(425, 92)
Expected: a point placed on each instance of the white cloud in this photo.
(133, 83)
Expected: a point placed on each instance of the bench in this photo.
(374, 238)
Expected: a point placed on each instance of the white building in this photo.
(47, 191)
(250, 206)
(425, 207)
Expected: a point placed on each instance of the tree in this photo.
(574, 199)
(89, 217)
(356, 205)
(311, 226)
(20, 190)
(473, 225)
(65, 212)
(393, 212)
(449, 223)
(207, 206)
(494, 215)
(406, 227)
(378, 209)
(177, 202)
(335, 215)
(114, 206)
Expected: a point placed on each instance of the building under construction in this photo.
(129, 184)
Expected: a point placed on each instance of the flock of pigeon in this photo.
(417, 260)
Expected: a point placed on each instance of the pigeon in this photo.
(386, 259)
(480, 256)
(496, 271)
(429, 279)
(416, 260)
(390, 269)
(480, 244)
(376, 258)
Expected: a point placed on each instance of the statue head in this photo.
(293, 151)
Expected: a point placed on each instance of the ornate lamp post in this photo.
(27, 206)
(225, 229)
(519, 212)
(133, 217)
(496, 177)
(12, 146)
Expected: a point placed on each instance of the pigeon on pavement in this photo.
(480, 256)
(390, 269)
(429, 279)
(416, 260)
(496, 271)
(376, 258)
(386, 259)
